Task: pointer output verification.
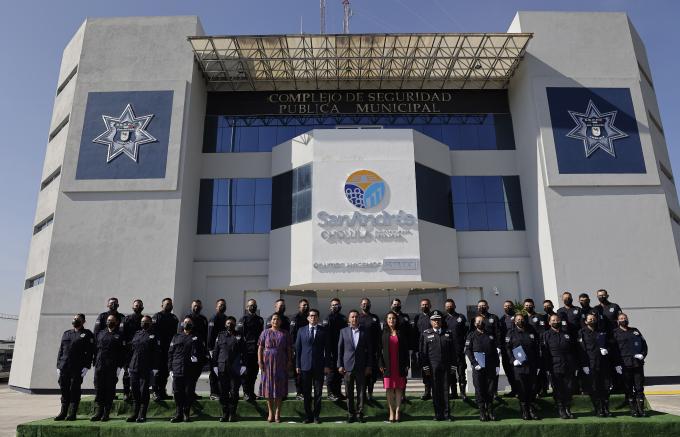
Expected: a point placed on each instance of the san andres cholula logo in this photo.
(365, 189)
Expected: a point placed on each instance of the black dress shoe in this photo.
(426, 397)
(332, 397)
(307, 421)
(450, 418)
(362, 419)
(351, 419)
(317, 420)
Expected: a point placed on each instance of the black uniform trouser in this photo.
(563, 387)
(427, 379)
(509, 369)
(484, 382)
(440, 395)
(597, 384)
(69, 385)
(105, 386)
(183, 388)
(228, 389)
(355, 382)
(334, 380)
(251, 374)
(312, 380)
(139, 386)
(161, 378)
(525, 383)
(634, 382)
(126, 381)
(459, 376)
(214, 383)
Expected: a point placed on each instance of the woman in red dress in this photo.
(394, 363)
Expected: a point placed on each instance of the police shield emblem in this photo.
(125, 136)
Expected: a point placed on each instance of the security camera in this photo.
(496, 292)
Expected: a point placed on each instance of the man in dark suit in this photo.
(355, 362)
(312, 361)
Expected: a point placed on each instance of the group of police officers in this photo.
(576, 349)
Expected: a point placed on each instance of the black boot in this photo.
(561, 411)
(482, 412)
(596, 406)
(489, 412)
(641, 407)
(225, 414)
(523, 408)
(179, 414)
(142, 413)
(73, 409)
(532, 411)
(135, 413)
(62, 413)
(187, 414)
(98, 413)
(461, 389)
(107, 412)
(605, 409)
(427, 395)
(633, 408)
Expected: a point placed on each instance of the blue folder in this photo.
(481, 358)
(519, 354)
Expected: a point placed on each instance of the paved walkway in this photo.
(16, 408)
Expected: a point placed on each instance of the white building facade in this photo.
(465, 166)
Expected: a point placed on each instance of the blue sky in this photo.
(33, 35)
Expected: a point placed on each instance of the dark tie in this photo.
(313, 332)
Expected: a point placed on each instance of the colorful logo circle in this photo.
(365, 189)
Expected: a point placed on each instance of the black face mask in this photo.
(519, 323)
(168, 309)
(282, 309)
(509, 311)
(76, 323)
(111, 325)
(568, 302)
(425, 310)
(367, 308)
(556, 325)
(138, 310)
(590, 322)
(623, 323)
(483, 310)
(548, 310)
(252, 309)
(196, 310)
(396, 308)
(146, 326)
(231, 327)
(602, 299)
(530, 310)
(188, 326)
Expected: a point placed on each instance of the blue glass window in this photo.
(235, 206)
(292, 197)
(487, 203)
(227, 134)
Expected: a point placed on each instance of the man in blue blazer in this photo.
(355, 362)
(312, 361)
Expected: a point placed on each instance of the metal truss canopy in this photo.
(356, 61)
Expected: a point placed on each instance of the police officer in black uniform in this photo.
(481, 348)
(144, 361)
(570, 314)
(522, 346)
(492, 326)
(298, 322)
(228, 362)
(559, 352)
(630, 354)
(73, 361)
(164, 327)
(507, 322)
(100, 323)
(548, 308)
(438, 352)
(200, 330)
(419, 324)
(334, 323)
(609, 311)
(594, 349)
(584, 301)
(371, 324)
(457, 324)
(184, 355)
(250, 327)
(279, 310)
(109, 359)
(215, 326)
(540, 324)
(131, 324)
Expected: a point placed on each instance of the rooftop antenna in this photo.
(346, 16)
(322, 10)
